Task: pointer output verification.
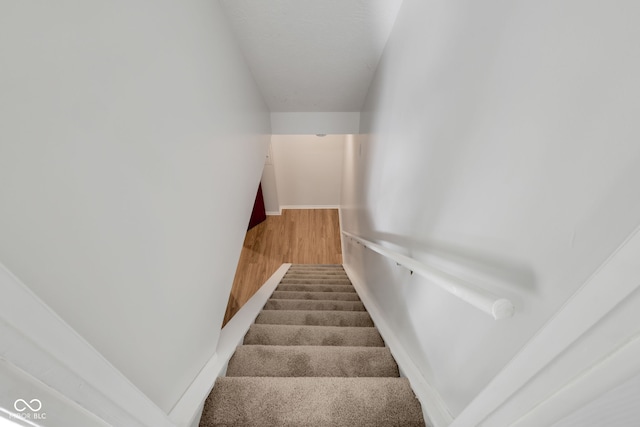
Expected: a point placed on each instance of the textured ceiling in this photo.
(312, 55)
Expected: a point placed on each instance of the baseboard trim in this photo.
(274, 213)
(433, 406)
(189, 407)
(39, 343)
(613, 370)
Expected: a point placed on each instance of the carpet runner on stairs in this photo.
(313, 357)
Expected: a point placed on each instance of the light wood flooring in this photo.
(298, 236)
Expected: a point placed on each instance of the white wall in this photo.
(270, 190)
(269, 185)
(308, 169)
(499, 139)
(304, 123)
(132, 139)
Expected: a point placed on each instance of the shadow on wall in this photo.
(442, 335)
(509, 274)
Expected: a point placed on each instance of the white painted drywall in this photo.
(312, 55)
(270, 190)
(498, 139)
(308, 169)
(269, 185)
(132, 139)
(297, 123)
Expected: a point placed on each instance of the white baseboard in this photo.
(279, 212)
(51, 406)
(309, 207)
(39, 343)
(433, 406)
(189, 408)
(613, 370)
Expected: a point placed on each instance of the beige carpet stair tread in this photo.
(311, 361)
(305, 304)
(312, 358)
(311, 270)
(316, 266)
(316, 273)
(333, 275)
(315, 318)
(313, 335)
(315, 288)
(342, 296)
(317, 282)
(337, 274)
(260, 401)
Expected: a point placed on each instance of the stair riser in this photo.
(311, 361)
(316, 282)
(315, 288)
(292, 304)
(313, 335)
(341, 296)
(318, 275)
(314, 275)
(316, 271)
(316, 265)
(314, 318)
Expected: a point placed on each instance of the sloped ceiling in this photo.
(312, 55)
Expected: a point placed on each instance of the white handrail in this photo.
(498, 308)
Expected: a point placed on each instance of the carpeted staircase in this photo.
(312, 358)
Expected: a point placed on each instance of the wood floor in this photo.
(299, 236)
